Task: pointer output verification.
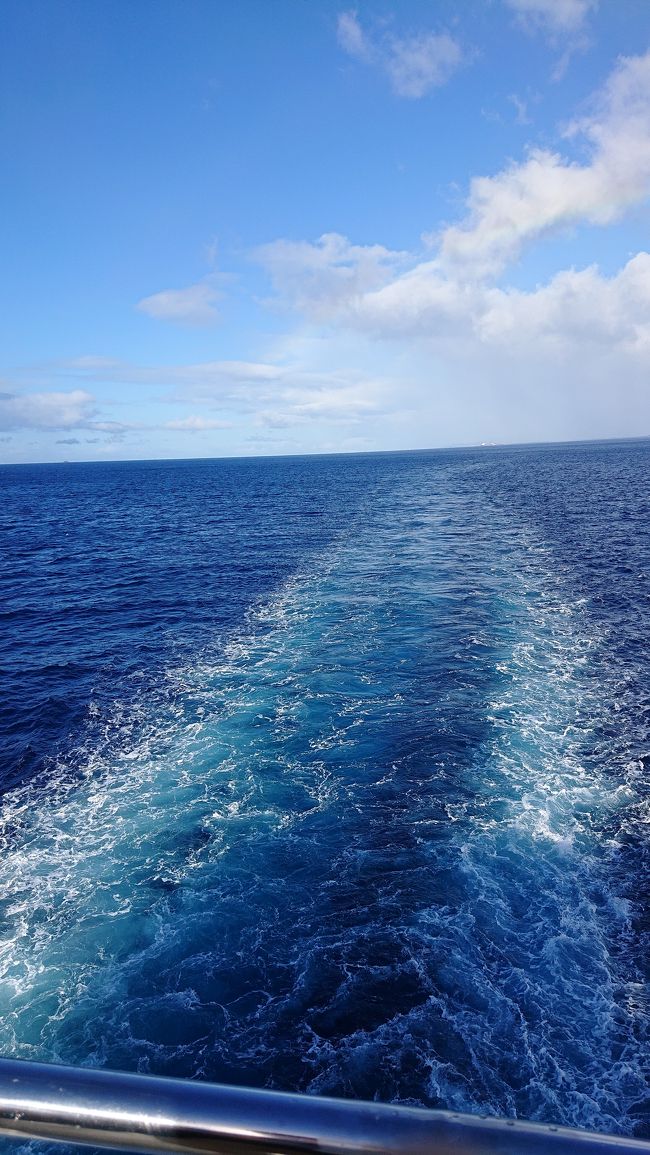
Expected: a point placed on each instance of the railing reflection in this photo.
(136, 1112)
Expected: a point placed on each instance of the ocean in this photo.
(330, 774)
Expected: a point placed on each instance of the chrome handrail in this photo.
(138, 1112)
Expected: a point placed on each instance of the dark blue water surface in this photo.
(331, 774)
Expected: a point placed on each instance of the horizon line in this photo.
(341, 452)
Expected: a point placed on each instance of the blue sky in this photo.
(286, 226)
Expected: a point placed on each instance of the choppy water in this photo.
(331, 774)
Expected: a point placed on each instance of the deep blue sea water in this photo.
(331, 774)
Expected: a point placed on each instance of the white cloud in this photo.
(425, 301)
(296, 388)
(421, 63)
(334, 280)
(414, 65)
(55, 410)
(196, 424)
(195, 306)
(575, 310)
(568, 359)
(553, 17)
(420, 302)
(110, 426)
(521, 109)
(116, 430)
(547, 192)
(315, 278)
(70, 410)
(338, 406)
(521, 203)
(92, 365)
(200, 379)
(351, 36)
(521, 364)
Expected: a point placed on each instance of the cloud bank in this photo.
(275, 395)
(573, 335)
(48, 411)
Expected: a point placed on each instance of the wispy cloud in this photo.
(420, 63)
(553, 17)
(352, 38)
(196, 424)
(414, 64)
(521, 109)
(274, 394)
(200, 379)
(335, 406)
(315, 277)
(115, 430)
(563, 23)
(195, 305)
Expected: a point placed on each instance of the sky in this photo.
(240, 227)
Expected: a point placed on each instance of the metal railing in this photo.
(137, 1112)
